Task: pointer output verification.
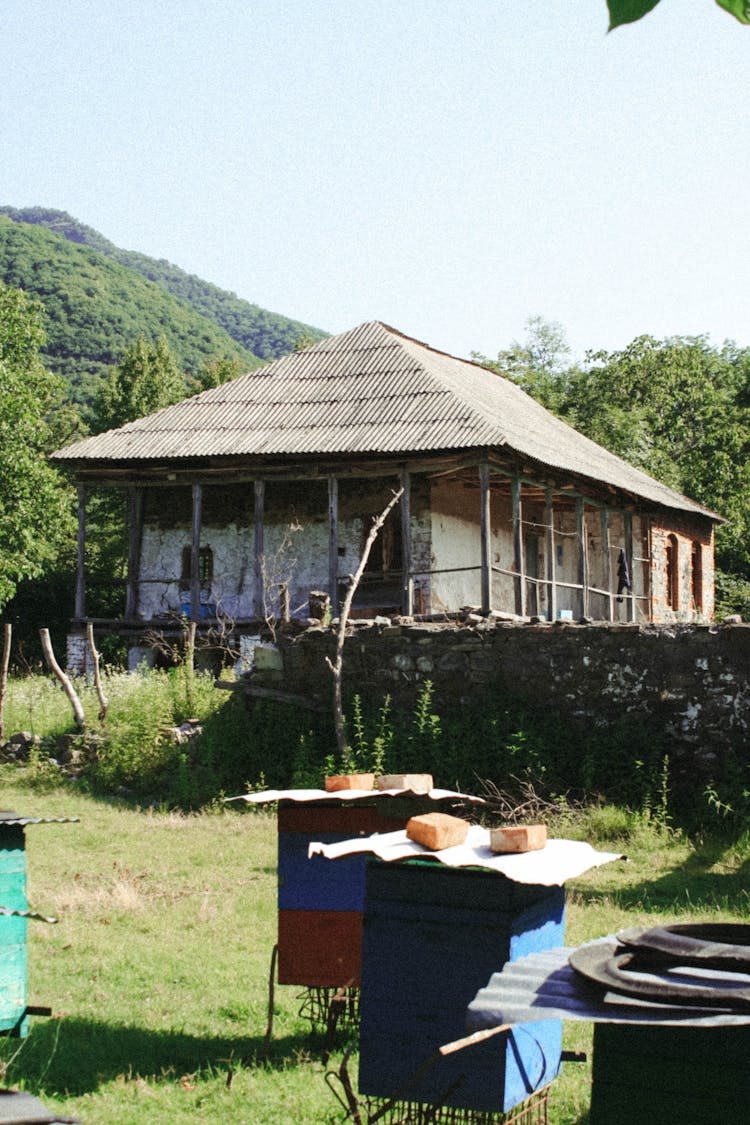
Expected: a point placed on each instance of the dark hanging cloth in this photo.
(623, 574)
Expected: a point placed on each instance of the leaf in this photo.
(628, 11)
(740, 9)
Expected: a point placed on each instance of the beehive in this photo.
(432, 936)
(653, 1075)
(320, 903)
(13, 988)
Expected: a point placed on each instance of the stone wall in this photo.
(686, 682)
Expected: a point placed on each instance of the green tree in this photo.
(679, 409)
(215, 373)
(539, 365)
(146, 379)
(628, 11)
(34, 502)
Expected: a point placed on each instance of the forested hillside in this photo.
(263, 333)
(94, 308)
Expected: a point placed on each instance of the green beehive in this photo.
(13, 1003)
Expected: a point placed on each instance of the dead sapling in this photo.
(337, 665)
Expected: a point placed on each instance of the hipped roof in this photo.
(369, 391)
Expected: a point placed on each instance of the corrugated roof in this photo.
(545, 986)
(366, 392)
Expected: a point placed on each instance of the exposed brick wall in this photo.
(684, 534)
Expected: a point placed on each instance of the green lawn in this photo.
(157, 970)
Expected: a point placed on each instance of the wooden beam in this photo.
(607, 564)
(135, 532)
(582, 556)
(407, 582)
(628, 525)
(195, 550)
(485, 547)
(80, 601)
(259, 487)
(549, 520)
(518, 559)
(333, 544)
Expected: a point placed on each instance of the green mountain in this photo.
(263, 333)
(95, 307)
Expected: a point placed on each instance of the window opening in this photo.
(205, 567)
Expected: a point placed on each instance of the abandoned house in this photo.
(244, 499)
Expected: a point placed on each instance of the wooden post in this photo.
(582, 559)
(80, 600)
(7, 634)
(549, 520)
(407, 583)
(333, 544)
(485, 555)
(607, 564)
(103, 701)
(195, 551)
(258, 548)
(135, 532)
(518, 559)
(67, 685)
(628, 525)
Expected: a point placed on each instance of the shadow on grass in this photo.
(691, 885)
(73, 1056)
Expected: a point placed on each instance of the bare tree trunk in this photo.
(103, 701)
(337, 665)
(7, 633)
(68, 688)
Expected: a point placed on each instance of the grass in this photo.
(157, 970)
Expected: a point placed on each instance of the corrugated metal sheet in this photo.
(545, 986)
(367, 391)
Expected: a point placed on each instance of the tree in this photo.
(34, 502)
(679, 409)
(215, 373)
(539, 365)
(146, 379)
(628, 11)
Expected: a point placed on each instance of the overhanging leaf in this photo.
(740, 9)
(628, 11)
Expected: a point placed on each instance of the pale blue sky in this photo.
(448, 167)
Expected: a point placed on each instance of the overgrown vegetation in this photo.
(266, 744)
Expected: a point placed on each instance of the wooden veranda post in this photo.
(407, 584)
(518, 559)
(628, 526)
(135, 532)
(195, 552)
(259, 489)
(582, 568)
(484, 537)
(607, 564)
(333, 544)
(80, 601)
(549, 520)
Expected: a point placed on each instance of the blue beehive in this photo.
(433, 936)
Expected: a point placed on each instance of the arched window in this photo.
(671, 573)
(696, 575)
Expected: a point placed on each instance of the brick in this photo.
(518, 838)
(437, 830)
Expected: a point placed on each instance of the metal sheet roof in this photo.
(368, 391)
(545, 986)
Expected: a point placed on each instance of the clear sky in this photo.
(450, 167)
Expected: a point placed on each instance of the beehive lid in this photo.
(551, 866)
